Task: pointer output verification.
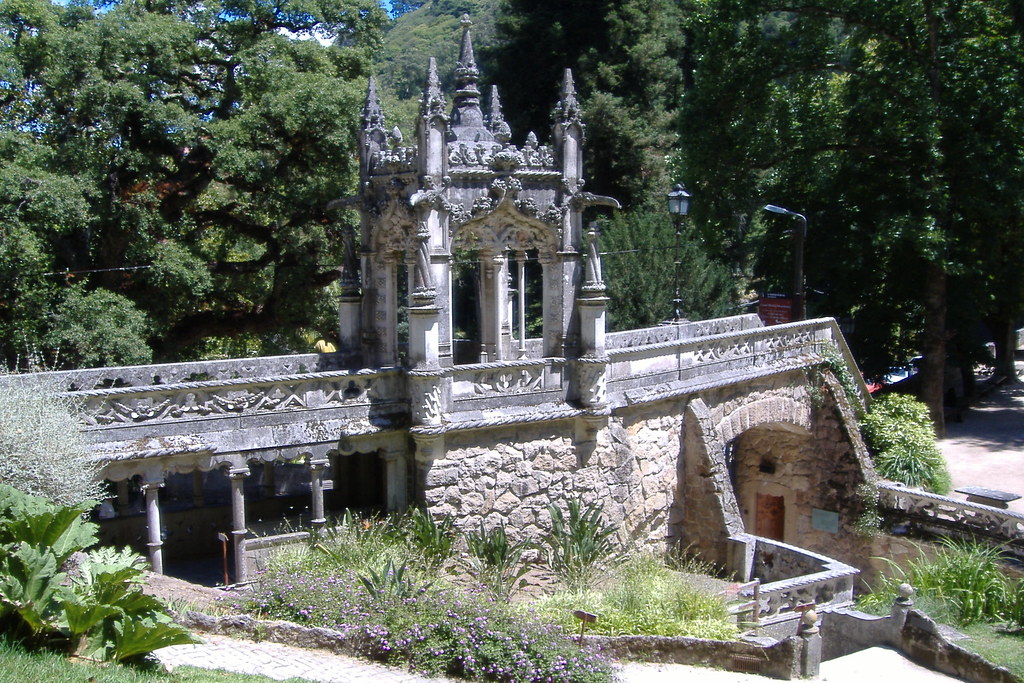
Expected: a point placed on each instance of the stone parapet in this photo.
(934, 513)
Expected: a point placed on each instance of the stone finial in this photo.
(373, 114)
(466, 67)
(906, 594)
(432, 101)
(568, 108)
(497, 124)
(466, 112)
(531, 140)
(395, 137)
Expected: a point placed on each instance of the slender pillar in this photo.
(521, 271)
(198, 498)
(316, 487)
(151, 489)
(396, 481)
(123, 499)
(237, 477)
(267, 482)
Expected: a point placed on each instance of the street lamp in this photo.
(678, 206)
(799, 308)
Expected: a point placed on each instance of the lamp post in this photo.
(799, 307)
(678, 206)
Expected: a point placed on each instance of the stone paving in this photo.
(283, 662)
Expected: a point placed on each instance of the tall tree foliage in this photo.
(897, 128)
(630, 62)
(174, 159)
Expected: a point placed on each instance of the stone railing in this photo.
(506, 378)
(174, 373)
(679, 331)
(793, 577)
(670, 368)
(940, 514)
(186, 401)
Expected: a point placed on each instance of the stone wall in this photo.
(793, 436)
(511, 475)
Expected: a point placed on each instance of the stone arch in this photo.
(705, 505)
(501, 242)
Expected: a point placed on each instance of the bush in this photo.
(645, 598)
(54, 594)
(42, 452)
(434, 630)
(964, 583)
(496, 561)
(902, 439)
(577, 547)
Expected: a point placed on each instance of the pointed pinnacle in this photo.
(432, 102)
(373, 115)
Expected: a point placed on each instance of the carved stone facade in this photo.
(462, 190)
(643, 421)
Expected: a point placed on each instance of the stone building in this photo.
(442, 394)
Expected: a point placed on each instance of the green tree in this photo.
(179, 157)
(893, 127)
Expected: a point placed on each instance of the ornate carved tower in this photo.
(463, 208)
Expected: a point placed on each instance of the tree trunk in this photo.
(1004, 335)
(933, 369)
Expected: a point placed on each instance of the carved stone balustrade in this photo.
(666, 369)
(792, 577)
(933, 513)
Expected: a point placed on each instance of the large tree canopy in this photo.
(174, 161)
(897, 127)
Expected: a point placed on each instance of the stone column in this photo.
(123, 499)
(316, 487)
(238, 532)
(521, 273)
(151, 489)
(396, 480)
(198, 498)
(267, 483)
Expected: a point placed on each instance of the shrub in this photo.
(95, 609)
(963, 583)
(496, 561)
(42, 452)
(435, 541)
(645, 598)
(902, 438)
(577, 547)
(437, 631)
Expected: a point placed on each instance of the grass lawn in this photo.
(998, 647)
(47, 667)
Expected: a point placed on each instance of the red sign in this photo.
(775, 310)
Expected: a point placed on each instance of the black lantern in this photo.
(678, 201)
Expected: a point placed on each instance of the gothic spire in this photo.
(466, 112)
(432, 102)
(568, 108)
(497, 124)
(466, 68)
(373, 115)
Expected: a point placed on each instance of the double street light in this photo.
(799, 235)
(678, 206)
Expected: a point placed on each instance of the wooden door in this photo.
(770, 518)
